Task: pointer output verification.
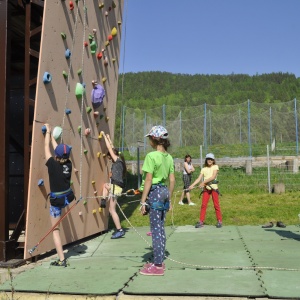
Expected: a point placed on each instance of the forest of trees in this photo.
(153, 89)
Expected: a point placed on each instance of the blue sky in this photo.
(211, 36)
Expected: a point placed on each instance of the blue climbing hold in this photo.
(44, 129)
(68, 111)
(40, 182)
(68, 54)
(47, 77)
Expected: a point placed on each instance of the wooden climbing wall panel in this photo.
(71, 32)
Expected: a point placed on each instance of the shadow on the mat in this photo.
(287, 234)
(76, 250)
(148, 257)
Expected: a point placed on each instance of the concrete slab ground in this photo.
(234, 262)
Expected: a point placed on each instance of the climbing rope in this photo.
(198, 266)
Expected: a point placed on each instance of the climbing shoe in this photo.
(118, 234)
(103, 203)
(60, 263)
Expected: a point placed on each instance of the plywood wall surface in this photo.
(65, 28)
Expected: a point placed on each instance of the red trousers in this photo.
(205, 198)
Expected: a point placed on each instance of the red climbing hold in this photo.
(71, 5)
(99, 55)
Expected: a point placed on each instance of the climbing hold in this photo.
(95, 192)
(68, 111)
(80, 213)
(96, 114)
(87, 131)
(109, 8)
(68, 53)
(104, 155)
(71, 4)
(106, 13)
(85, 44)
(101, 5)
(63, 35)
(79, 90)
(44, 129)
(101, 117)
(104, 108)
(94, 31)
(65, 74)
(79, 71)
(75, 170)
(119, 22)
(106, 119)
(57, 132)
(88, 109)
(100, 209)
(84, 202)
(98, 154)
(79, 129)
(100, 136)
(113, 4)
(94, 211)
(91, 38)
(40, 182)
(107, 43)
(47, 77)
(105, 61)
(97, 95)
(110, 37)
(93, 182)
(103, 50)
(99, 55)
(85, 151)
(114, 31)
(104, 79)
(93, 47)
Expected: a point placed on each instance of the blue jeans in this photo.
(157, 222)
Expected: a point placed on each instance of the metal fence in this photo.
(248, 126)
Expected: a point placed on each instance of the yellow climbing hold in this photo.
(93, 182)
(100, 209)
(94, 211)
(98, 154)
(114, 31)
(104, 79)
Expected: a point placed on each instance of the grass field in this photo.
(237, 208)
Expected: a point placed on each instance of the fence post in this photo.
(180, 130)
(145, 131)
(249, 130)
(271, 131)
(204, 129)
(296, 125)
(269, 175)
(123, 126)
(164, 115)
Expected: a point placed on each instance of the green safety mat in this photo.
(236, 261)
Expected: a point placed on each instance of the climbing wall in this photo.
(80, 44)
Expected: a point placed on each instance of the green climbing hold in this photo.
(101, 117)
(85, 151)
(91, 37)
(93, 47)
(63, 35)
(88, 109)
(79, 129)
(79, 90)
(79, 72)
(65, 74)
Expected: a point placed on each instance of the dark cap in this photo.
(62, 151)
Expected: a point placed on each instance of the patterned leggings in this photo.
(157, 222)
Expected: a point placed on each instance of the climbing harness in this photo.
(60, 199)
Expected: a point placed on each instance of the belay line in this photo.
(197, 266)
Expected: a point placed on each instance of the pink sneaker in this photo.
(147, 265)
(149, 233)
(152, 271)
